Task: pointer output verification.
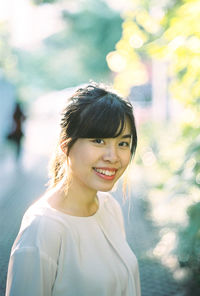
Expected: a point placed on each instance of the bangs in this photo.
(104, 119)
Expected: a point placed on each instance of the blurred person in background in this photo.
(72, 240)
(16, 134)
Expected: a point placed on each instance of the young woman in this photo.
(72, 240)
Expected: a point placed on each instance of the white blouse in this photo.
(56, 254)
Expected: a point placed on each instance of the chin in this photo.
(105, 188)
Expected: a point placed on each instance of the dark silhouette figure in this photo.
(16, 133)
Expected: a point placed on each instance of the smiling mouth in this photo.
(108, 174)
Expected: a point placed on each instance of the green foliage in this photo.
(181, 22)
(189, 243)
(175, 38)
(77, 53)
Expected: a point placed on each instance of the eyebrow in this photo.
(126, 136)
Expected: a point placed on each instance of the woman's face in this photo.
(96, 164)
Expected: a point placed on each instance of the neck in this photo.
(75, 199)
(79, 194)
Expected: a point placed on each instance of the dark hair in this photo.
(93, 112)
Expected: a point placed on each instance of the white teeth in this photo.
(105, 172)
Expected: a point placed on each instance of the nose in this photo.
(111, 154)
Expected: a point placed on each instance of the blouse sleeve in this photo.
(34, 256)
(30, 273)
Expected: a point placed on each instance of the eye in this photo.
(98, 141)
(124, 144)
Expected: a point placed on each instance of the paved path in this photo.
(19, 188)
(26, 186)
(156, 279)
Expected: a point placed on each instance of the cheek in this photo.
(126, 159)
(81, 159)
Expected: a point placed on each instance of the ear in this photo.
(63, 146)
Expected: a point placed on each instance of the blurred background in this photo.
(150, 52)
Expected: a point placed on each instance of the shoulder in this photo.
(111, 211)
(41, 230)
(110, 203)
(108, 199)
(40, 218)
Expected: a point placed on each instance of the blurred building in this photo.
(152, 100)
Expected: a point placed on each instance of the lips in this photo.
(105, 173)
